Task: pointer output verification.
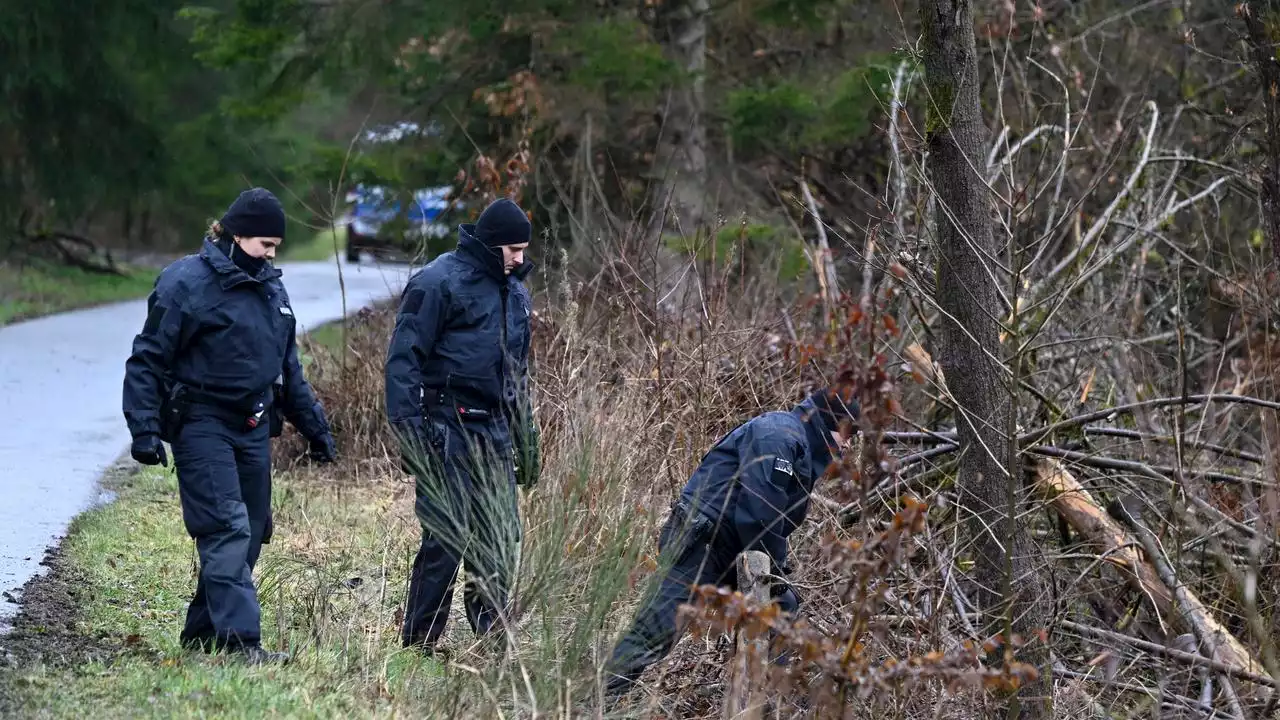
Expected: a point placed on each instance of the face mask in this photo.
(247, 262)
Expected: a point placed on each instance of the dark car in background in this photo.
(401, 225)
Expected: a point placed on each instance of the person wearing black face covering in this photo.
(457, 394)
(750, 492)
(215, 372)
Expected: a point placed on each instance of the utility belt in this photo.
(452, 403)
(265, 407)
(685, 526)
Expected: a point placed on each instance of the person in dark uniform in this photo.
(457, 396)
(215, 372)
(750, 492)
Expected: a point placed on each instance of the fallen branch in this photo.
(1171, 653)
(1212, 636)
(1170, 440)
(1035, 435)
(1107, 463)
(62, 242)
(1075, 505)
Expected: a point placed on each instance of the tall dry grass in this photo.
(628, 397)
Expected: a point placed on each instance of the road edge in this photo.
(44, 630)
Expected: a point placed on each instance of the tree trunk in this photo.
(970, 336)
(1264, 43)
(678, 198)
(1260, 19)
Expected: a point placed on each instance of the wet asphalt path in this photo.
(61, 424)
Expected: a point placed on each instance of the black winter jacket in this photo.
(218, 331)
(757, 480)
(462, 329)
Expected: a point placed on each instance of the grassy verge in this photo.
(319, 246)
(40, 289)
(136, 562)
(332, 585)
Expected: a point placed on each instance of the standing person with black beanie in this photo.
(457, 394)
(215, 372)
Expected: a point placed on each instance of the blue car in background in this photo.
(377, 223)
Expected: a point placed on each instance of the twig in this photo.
(1101, 223)
(1034, 435)
(896, 164)
(915, 458)
(824, 265)
(1183, 703)
(1137, 435)
(1107, 463)
(1171, 653)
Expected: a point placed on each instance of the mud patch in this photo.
(45, 632)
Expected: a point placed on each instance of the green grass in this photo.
(328, 336)
(138, 563)
(332, 585)
(317, 247)
(40, 289)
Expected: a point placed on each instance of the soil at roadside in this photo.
(44, 632)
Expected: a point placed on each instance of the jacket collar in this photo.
(228, 272)
(484, 258)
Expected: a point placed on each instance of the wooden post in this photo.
(744, 694)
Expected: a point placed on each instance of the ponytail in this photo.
(220, 237)
(217, 232)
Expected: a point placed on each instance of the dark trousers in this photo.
(699, 553)
(466, 503)
(224, 483)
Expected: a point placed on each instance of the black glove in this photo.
(269, 530)
(148, 450)
(529, 456)
(422, 443)
(786, 597)
(323, 448)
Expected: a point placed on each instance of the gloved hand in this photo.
(323, 448)
(270, 529)
(786, 597)
(781, 590)
(529, 457)
(148, 450)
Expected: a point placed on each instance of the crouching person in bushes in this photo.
(750, 492)
(457, 395)
(214, 372)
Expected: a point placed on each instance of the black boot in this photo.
(258, 655)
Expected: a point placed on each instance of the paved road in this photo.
(61, 424)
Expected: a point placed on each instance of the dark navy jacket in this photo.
(221, 333)
(758, 478)
(462, 329)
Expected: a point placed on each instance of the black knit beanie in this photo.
(256, 213)
(503, 223)
(833, 409)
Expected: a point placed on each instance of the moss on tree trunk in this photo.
(1008, 585)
